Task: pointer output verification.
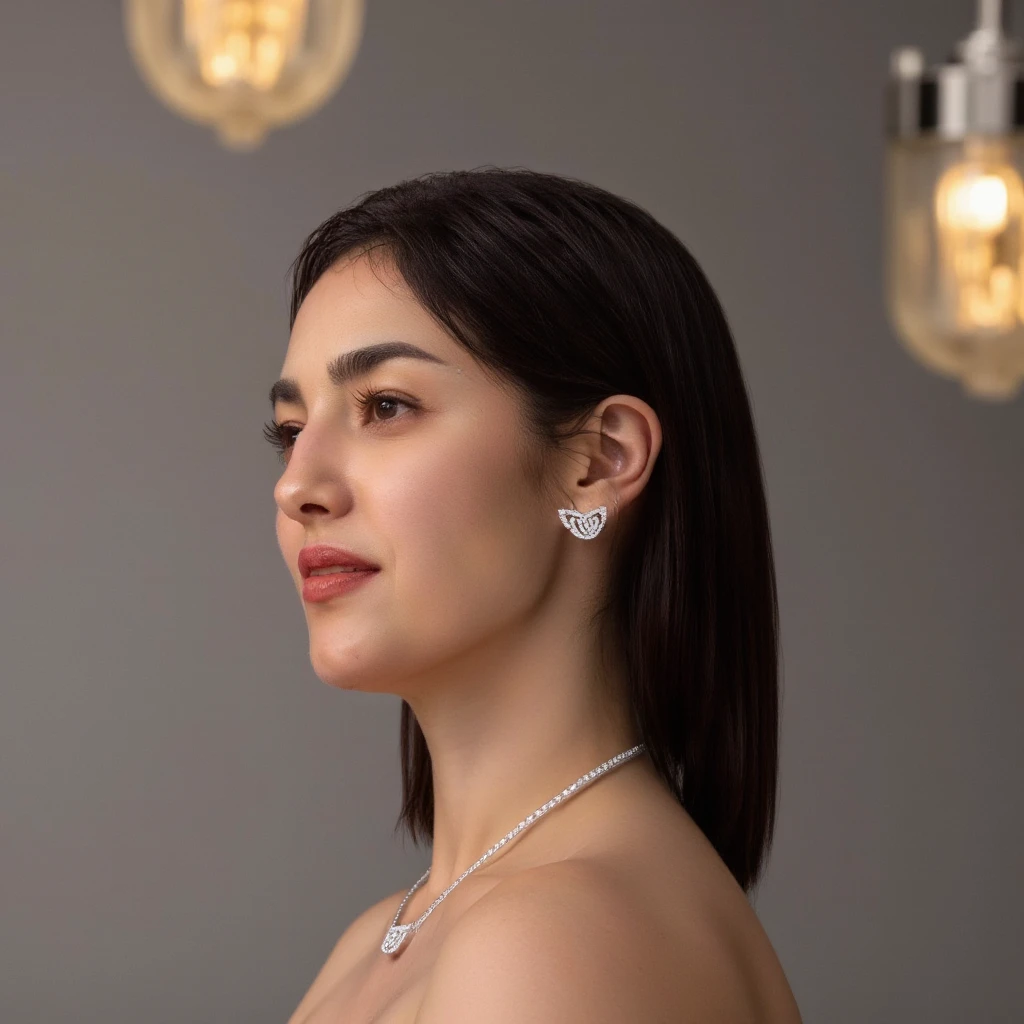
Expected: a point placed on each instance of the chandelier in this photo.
(955, 208)
(243, 67)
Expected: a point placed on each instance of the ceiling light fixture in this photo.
(243, 66)
(955, 208)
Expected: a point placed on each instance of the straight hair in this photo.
(569, 294)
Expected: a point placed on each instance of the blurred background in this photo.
(189, 818)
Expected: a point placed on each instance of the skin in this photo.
(478, 619)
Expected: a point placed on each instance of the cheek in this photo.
(466, 537)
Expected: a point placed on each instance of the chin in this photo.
(343, 669)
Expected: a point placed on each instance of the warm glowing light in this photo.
(243, 66)
(955, 207)
(978, 207)
(956, 258)
(974, 202)
(244, 40)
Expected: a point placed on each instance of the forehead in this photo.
(355, 303)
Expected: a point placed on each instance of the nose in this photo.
(313, 482)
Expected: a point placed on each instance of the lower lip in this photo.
(323, 588)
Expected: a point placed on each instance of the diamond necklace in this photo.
(398, 933)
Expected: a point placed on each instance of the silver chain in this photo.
(397, 933)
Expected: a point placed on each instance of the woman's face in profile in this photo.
(426, 481)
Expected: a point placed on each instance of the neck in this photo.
(509, 728)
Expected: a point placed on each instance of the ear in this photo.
(615, 451)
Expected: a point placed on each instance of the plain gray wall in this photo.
(190, 818)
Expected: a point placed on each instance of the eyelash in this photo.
(278, 434)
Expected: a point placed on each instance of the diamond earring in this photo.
(586, 526)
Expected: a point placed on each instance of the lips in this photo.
(330, 585)
(325, 556)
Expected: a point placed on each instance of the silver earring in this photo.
(586, 526)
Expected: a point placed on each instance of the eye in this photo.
(282, 435)
(369, 397)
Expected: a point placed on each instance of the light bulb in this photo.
(971, 201)
(979, 204)
(955, 209)
(244, 40)
(243, 66)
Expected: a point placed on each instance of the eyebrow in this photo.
(350, 365)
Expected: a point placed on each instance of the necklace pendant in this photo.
(396, 935)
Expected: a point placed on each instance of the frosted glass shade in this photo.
(243, 67)
(955, 257)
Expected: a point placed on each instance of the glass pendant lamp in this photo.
(243, 66)
(955, 208)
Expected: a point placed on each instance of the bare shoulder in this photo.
(569, 942)
(349, 947)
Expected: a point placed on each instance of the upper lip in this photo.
(323, 556)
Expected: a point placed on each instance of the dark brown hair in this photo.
(570, 294)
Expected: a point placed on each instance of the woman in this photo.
(522, 491)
